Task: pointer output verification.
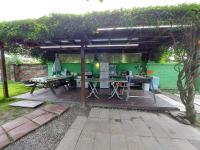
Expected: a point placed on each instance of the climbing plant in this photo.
(66, 26)
(59, 26)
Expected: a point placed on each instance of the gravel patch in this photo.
(48, 136)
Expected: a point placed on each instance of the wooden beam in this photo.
(83, 73)
(3, 72)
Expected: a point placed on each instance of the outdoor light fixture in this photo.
(140, 27)
(97, 65)
(115, 39)
(64, 41)
(89, 46)
(198, 43)
(112, 45)
(48, 42)
(58, 46)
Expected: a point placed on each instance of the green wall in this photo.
(72, 67)
(76, 67)
(126, 66)
(166, 72)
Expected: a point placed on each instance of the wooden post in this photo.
(82, 73)
(3, 72)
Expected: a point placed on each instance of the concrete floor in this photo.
(115, 129)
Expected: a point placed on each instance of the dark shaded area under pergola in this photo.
(142, 39)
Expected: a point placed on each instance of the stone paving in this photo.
(15, 129)
(115, 129)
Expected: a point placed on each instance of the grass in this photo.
(14, 88)
(8, 112)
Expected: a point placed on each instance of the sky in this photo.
(23, 9)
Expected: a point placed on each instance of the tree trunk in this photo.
(187, 97)
(190, 112)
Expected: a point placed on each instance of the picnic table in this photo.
(117, 83)
(113, 82)
(140, 79)
(49, 82)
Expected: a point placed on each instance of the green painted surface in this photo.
(75, 67)
(126, 67)
(72, 67)
(166, 73)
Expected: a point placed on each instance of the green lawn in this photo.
(14, 88)
(8, 112)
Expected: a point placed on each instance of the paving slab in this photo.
(150, 143)
(102, 142)
(195, 143)
(69, 140)
(22, 130)
(129, 129)
(114, 114)
(187, 132)
(1, 130)
(44, 118)
(118, 142)
(104, 114)
(95, 112)
(35, 114)
(135, 130)
(156, 129)
(26, 103)
(21, 126)
(14, 123)
(116, 127)
(184, 144)
(55, 108)
(103, 126)
(79, 123)
(135, 143)
(90, 126)
(141, 127)
(4, 140)
(85, 142)
(167, 144)
(125, 114)
(172, 102)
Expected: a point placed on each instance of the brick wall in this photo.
(24, 72)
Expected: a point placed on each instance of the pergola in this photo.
(139, 39)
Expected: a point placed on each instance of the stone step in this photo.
(17, 128)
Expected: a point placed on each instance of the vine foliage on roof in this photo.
(70, 26)
(62, 26)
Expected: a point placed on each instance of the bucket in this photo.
(146, 86)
